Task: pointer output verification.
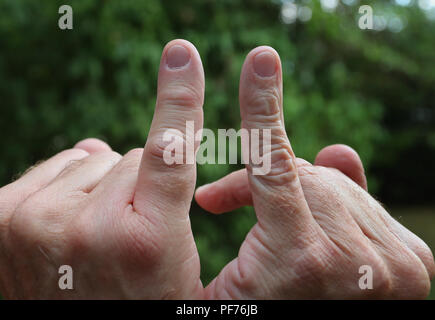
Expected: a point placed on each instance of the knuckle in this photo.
(264, 106)
(425, 254)
(80, 233)
(131, 160)
(180, 95)
(112, 155)
(281, 172)
(159, 147)
(316, 266)
(382, 277)
(48, 208)
(23, 224)
(73, 153)
(400, 277)
(382, 285)
(311, 180)
(282, 161)
(413, 280)
(71, 166)
(40, 216)
(168, 151)
(134, 154)
(30, 206)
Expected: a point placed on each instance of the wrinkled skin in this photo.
(316, 227)
(122, 222)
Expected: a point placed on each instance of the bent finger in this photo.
(92, 145)
(345, 159)
(85, 174)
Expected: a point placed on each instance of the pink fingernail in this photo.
(177, 56)
(265, 64)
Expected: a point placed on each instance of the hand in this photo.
(316, 227)
(121, 223)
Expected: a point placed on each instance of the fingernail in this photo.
(265, 64)
(177, 56)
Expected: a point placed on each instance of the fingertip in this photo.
(92, 145)
(345, 159)
(262, 49)
(200, 190)
(263, 61)
(177, 56)
(206, 199)
(179, 42)
(199, 193)
(342, 152)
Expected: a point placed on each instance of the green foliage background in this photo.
(371, 90)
